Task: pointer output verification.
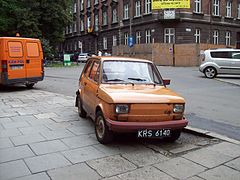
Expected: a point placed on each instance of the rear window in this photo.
(225, 54)
(32, 49)
(15, 49)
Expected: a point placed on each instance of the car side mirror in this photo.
(166, 81)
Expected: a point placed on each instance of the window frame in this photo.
(114, 40)
(228, 9)
(104, 18)
(169, 36)
(105, 43)
(148, 36)
(126, 11)
(137, 8)
(138, 37)
(216, 37)
(228, 38)
(216, 8)
(147, 9)
(198, 6)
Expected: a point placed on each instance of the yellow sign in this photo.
(170, 4)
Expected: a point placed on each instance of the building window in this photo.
(96, 22)
(197, 35)
(75, 7)
(114, 40)
(114, 15)
(169, 35)
(229, 9)
(238, 11)
(75, 26)
(95, 1)
(81, 5)
(125, 11)
(88, 3)
(82, 25)
(125, 38)
(215, 36)
(75, 45)
(228, 38)
(148, 36)
(137, 8)
(104, 42)
(104, 18)
(138, 37)
(216, 7)
(147, 6)
(70, 28)
(198, 6)
(88, 23)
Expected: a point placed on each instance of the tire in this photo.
(81, 112)
(174, 136)
(29, 85)
(103, 134)
(210, 72)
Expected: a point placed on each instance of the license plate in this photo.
(147, 133)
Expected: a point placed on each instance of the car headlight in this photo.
(178, 108)
(121, 109)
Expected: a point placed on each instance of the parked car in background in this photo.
(220, 61)
(129, 95)
(82, 57)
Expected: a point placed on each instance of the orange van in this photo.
(21, 61)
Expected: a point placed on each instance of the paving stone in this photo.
(112, 178)
(9, 133)
(5, 120)
(45, 115)
(112, 165)
(58, 134)
(27, 139)
(48, 147)
(7, 114)
(195, 178)
(38, 176)
(64, 119)
(5, 143)
(46, 162)
(28, 111)
(33, 129)
(207, 158)
(226, 148)
(36, 122)
(184, 148)
(23, 118)
(78, 171)
(15, 153)
(81, 130)
(58, 126)
(221, 173)
(83, 154)
(13, 169)
(145, 173)
(79, 141)
(180, 168)
(234, 164)
(15, 124)
(144, 156)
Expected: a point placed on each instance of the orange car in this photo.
(129, 95)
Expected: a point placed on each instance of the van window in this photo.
(225, 54)
(32, 49)
(15, 49)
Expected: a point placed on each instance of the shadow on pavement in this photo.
(12, 88)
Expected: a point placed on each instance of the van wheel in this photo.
(174, 136)
(210, 72)
(30, 85)
(81, 112)
(103, 134)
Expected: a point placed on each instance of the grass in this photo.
(59, 64)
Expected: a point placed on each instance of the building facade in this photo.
(102, 24)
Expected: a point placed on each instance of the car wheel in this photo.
(81, 112)
(174, 136)
(210, 72)
(103, 134)
(29, 85)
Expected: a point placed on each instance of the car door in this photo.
(222, 60)
(235, 62)
(91, 87)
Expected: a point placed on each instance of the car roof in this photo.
(224, 49)
(118, 58)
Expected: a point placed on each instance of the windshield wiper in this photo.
(137, 79)
(114, 80)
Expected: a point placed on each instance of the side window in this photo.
(221, 54)
(15, 49)
(87, 69)
(32, 49)
(94, 73)
(235, 55)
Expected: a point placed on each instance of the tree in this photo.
(44, 19)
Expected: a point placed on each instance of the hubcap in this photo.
(210, 72)
(100, 128)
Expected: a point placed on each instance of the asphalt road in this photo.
(211, 104)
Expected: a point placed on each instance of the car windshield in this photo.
(133, 72)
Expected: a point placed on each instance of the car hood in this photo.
(138, 94)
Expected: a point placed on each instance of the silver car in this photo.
(220, 61)
(83, 57)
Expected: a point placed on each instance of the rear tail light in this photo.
(4, 66)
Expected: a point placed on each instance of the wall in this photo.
(166, 54)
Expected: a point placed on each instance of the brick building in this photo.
(101, 24)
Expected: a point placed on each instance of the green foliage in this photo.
(44, 19)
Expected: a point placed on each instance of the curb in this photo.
(206, 133)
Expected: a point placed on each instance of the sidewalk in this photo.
(42, 138)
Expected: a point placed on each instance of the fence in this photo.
(166, 54)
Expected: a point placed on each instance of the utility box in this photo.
(67, 60)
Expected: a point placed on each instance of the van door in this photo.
(33, 60)
(15, 61)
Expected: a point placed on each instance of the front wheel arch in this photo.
(212, 72)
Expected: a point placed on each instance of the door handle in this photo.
(27, 61)
(85, 83)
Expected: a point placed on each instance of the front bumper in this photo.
(118, 126)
